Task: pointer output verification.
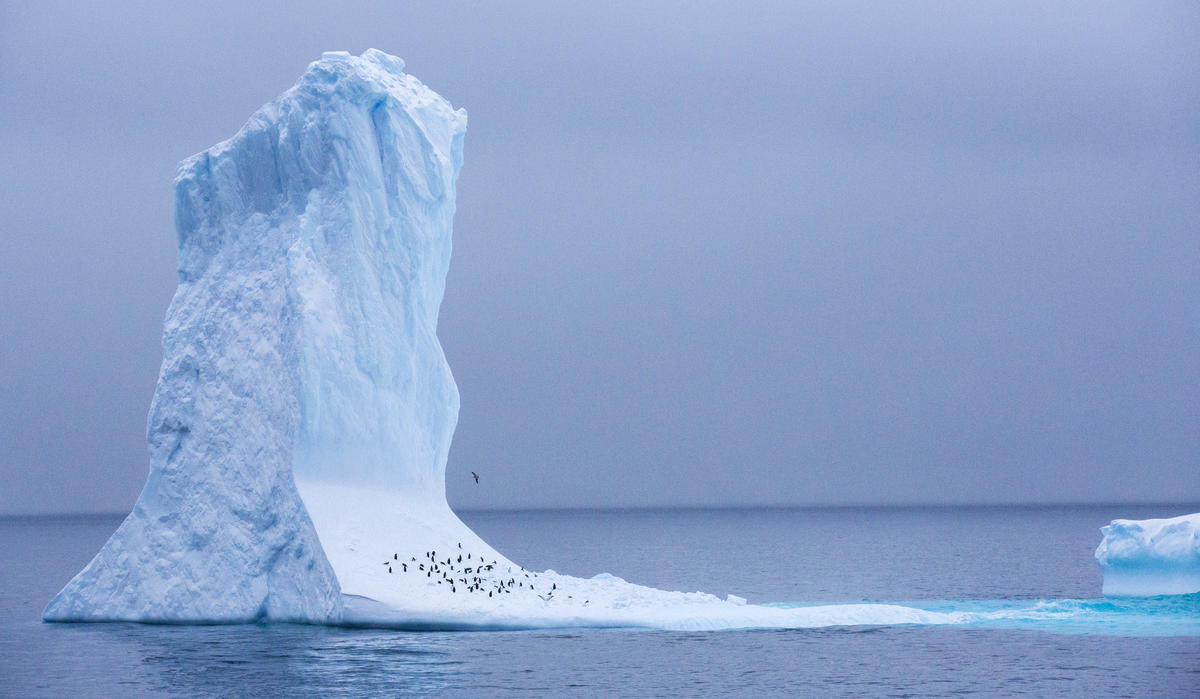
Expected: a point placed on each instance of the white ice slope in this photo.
(1151, 556)
(299, 432)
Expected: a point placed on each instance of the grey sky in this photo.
(704, 254)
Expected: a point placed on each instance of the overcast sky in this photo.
(755, 253)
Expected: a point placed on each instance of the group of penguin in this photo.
(467, 576)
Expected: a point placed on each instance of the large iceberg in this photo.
(299, 432)
(299, 350)
(1151, 556)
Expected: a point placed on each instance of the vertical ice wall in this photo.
(300, 345)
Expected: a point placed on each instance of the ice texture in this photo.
(300, 344)
(1151, 556)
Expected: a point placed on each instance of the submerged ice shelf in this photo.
(302, 420)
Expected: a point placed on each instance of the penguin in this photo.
(389, 569)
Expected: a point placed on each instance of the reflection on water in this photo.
(865, 661)
(234, 660)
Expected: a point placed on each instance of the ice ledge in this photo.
(1144, 558)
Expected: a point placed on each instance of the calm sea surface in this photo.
(1038, 561)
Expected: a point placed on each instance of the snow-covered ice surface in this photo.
(299, 432)
(1151, 556)
(413, 565)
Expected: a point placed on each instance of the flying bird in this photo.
(476, 476)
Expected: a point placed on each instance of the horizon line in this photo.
(1187, 504)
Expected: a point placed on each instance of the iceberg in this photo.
(1151, 557)
(299, 432)
(299, 350)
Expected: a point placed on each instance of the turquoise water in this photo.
(1173, 615)
(1021, 579)
(1177, 615)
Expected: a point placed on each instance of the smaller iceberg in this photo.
(1149, 557)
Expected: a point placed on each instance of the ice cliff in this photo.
(299, 348)
(1151, 556)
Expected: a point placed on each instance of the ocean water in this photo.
(1022, 578)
